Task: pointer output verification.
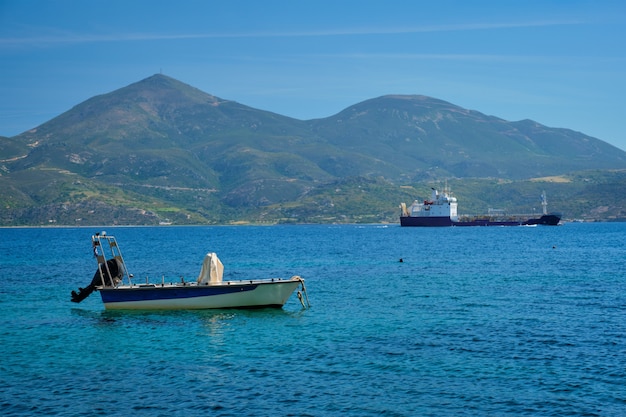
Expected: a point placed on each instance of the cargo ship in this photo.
(441, 211)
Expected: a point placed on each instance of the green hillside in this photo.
(162, 151)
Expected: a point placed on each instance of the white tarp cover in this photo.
(212, 270)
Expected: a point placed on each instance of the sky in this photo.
(559, 63)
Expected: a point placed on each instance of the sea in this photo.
(483, 321)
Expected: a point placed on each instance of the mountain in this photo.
(414, 135)
(160, 150)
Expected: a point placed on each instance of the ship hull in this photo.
(425, 221)
(545, 220)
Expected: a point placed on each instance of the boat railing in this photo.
(105, 248)
(497, 216)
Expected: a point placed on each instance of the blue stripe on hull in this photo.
(169, 293)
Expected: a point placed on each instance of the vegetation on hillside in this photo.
(160, 151)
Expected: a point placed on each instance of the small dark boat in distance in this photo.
(441, 211)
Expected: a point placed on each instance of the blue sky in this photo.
(560, 63)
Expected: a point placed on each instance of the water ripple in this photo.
(497, 321)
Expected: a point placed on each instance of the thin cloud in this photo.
(76, 38)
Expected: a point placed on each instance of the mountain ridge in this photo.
(167, 146)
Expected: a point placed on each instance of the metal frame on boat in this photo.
(119, 291)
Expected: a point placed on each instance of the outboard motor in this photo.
(111, 273)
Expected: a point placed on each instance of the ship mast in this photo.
(544, 203)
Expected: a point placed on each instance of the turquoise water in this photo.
(474, 321)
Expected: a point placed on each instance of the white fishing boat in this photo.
(119, 291)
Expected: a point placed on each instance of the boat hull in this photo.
(246, 294)
(425, 221)
(545, 220)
